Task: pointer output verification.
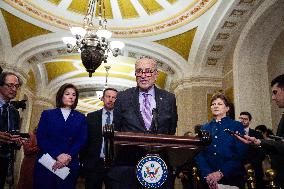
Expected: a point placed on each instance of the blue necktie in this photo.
(108, 118)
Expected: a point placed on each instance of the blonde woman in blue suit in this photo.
(61, 133)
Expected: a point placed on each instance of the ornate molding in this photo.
(229, 30)
(193, 11)
(196, 82)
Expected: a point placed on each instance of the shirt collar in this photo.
(247, 130)
(2, 102)
(104, 111)
(222, 120)
(151, 91)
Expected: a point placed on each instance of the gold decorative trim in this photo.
(37, 13)
(199, 8)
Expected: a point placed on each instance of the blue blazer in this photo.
(225, 153)
(56, 136)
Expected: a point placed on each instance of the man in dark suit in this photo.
(275, 148)
(254, 156)
(9, 121)
(93, 160)
(133, 112)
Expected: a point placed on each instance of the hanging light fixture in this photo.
(107, 68)
(92, 43)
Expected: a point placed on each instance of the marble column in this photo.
(192, 101)
(39, 105)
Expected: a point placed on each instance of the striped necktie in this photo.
(146, 111)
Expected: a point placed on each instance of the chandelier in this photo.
(93, 43)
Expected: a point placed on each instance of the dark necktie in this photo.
(107, 123)
(108, 118)
(280, 129)
(146, 111)
(4, 117)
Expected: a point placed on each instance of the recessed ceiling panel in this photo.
(21, 30)
(126, 18)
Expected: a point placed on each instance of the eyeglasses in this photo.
(147, 72)
(12, 86)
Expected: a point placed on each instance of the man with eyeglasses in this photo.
(9, 121)
(144, 109)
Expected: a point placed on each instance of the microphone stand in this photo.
(155, 120)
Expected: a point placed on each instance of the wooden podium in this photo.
(178, 149)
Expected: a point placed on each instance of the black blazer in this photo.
(128, 118)
(14, 125)
(91, 153)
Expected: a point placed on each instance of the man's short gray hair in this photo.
(147, 58)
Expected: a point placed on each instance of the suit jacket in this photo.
(273, 147)
(56, 136)
(128, 118)
(14, 125)
(277, 159)
(91, 153)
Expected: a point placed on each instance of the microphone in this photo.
(155, 120)
(275, 137)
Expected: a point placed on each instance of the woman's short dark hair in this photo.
(60, 93)
(222, 97)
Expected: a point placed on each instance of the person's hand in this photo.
(57, 165)
(64, 159)
(17, 139)
(213, 178)
(5, 137)
(182, 176)
(248, 140)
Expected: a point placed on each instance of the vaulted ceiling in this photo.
(188, 38)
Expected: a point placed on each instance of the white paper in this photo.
(47, 161)
(222, 186)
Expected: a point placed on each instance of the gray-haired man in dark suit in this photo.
(133, 113)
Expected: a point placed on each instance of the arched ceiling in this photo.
(177, 33)
(126, 18)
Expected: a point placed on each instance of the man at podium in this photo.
(143, 109)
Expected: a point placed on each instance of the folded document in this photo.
(47, 161)
(221, 186)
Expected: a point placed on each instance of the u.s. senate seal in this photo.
(152, 171)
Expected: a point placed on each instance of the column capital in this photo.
(197, 81)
